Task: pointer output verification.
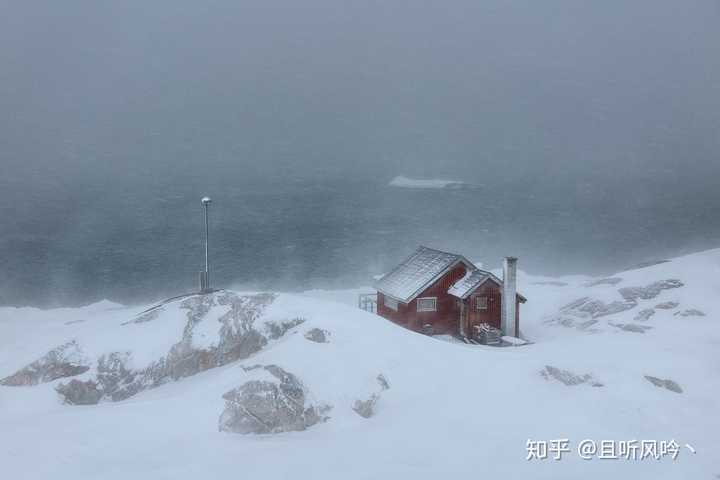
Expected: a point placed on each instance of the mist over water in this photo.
(592, 131)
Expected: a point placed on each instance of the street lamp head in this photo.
(206, 201)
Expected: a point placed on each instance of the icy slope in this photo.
(451, 410)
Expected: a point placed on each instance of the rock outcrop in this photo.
(645, 314)
(366, 408)
(631, 327)
(664, 383)
(64, 361)
(76, 392)
(273, 404)
(583, 312)
(604, 281)
(317, 335)
(692, 312)
(236, 334)
(383, 382)
(567, 377)
(648, 292)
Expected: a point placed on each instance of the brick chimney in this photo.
(509, 297)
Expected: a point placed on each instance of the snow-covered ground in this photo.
(452, 410)
(406, 182)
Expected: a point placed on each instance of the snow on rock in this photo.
(632, 294)
(692, 312)
(77, 392)
(366, 408)
(604, 281)
(67, 360)
(317, 335)
(631, 327)
(383, 382)
(273, 401)
(218, 329)
(584, 312)
(664, 383)
(667, 305)
(644, 314)
(567, 377)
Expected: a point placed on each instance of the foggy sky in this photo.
(575, 102)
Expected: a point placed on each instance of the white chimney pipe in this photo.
(509, 297)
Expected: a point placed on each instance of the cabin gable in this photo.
(444, 319)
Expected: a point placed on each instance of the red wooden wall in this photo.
(444, 320)
(447, 317)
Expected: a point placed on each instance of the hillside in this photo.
(115, 392)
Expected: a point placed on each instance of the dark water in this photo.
(591, 129)
(105, 241)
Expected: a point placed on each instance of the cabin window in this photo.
(427, 304)
(481, 303)
(391, 303)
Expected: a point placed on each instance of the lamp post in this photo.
(205, 284)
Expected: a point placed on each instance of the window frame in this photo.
(477, 303)
(434, 304)
(391, 303)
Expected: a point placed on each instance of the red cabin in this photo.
(443, 293)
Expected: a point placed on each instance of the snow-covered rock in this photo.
(274, 401)
(216, 329)
(67, 360)
(567, 377)
(584, 312)
(691, 312)
(631, 327)
(76, 392)
(604, 281)
(366, 408)
(644, 314)
(633, 294)
(317, 335)
(664, 383)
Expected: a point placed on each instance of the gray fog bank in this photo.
(591, 131)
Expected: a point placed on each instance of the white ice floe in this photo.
(406, 182)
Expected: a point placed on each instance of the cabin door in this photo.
(484, 308)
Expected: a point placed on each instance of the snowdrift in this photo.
(273, 385)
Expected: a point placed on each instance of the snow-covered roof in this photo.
(417, 272)
(472, 279)
(424, 267)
